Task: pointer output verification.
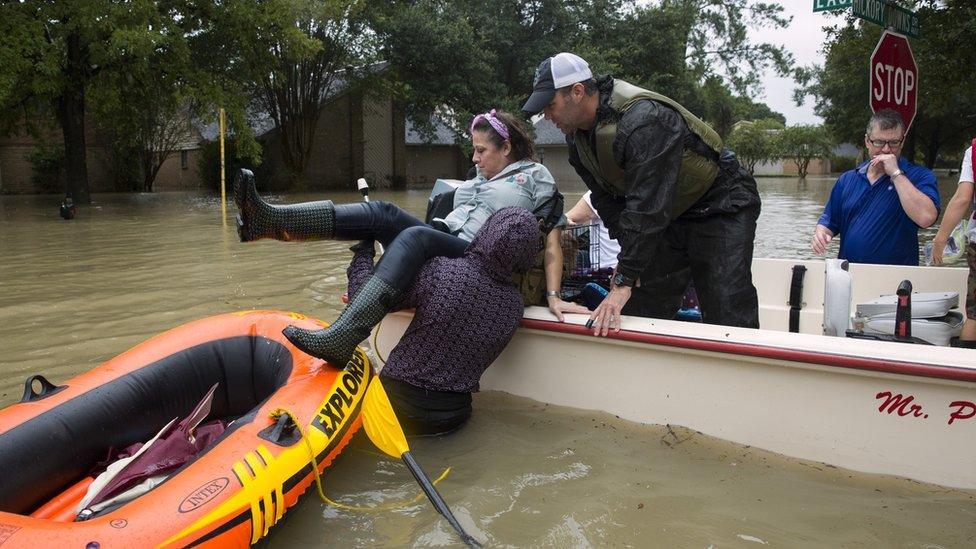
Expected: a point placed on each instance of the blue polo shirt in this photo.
(869, 219)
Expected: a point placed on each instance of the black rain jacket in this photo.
(648, 146)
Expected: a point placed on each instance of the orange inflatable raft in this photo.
(232, 493)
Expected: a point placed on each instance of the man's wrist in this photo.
(552, 293)
(896, 174)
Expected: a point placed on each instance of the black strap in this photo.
(796, 297)
(440, 206)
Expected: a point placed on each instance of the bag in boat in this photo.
(151, 463)
(955, 246)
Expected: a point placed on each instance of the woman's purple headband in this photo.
(493, 120)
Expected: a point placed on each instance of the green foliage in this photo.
(840, 164)
(755, 141)
(945, 92)
(677, 42)
(48, 168)
(142, 69)
(283, 58)
(492, 48)
(51, 54)
(801, 144)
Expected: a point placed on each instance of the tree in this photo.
(493, 47)
(801, 144)
(51, 51)
(284, 59)
(145, 102)
(755, 142)
(945, 90)
(472, 55)
(703, 38)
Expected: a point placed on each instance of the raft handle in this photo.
(46, 388)
(284, 432)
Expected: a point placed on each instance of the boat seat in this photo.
(932, 317)
(43, 455)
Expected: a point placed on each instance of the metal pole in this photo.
(223, 191)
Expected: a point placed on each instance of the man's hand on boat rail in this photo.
(607, 315)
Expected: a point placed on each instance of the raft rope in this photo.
(376, 346)
(318, 476)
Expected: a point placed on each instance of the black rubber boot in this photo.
(258, 219)
(337, 343)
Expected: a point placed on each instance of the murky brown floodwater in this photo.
(73, 294)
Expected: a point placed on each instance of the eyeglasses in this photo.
(880, 143)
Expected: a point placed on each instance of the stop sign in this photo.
(894, 77)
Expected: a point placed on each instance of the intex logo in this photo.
(203, 494)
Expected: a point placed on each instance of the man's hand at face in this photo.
(888, 162)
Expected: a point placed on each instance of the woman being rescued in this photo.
(463, 298)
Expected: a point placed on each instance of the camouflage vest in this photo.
(697, 172)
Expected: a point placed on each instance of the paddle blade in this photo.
(436, 500)
(380, 422)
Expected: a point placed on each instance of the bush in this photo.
(840, 164)
(48, 165)
(209, 166)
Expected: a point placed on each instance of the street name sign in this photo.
(894, 77)
(887, 14)
(828, 5)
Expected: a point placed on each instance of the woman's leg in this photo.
(407, 253)
(395, 271)
(322, 219)
(424, 412)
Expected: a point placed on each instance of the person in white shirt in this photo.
(584, 213)
(958, 207)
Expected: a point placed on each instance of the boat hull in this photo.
(870, 406)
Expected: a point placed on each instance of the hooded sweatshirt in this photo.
(467, 308)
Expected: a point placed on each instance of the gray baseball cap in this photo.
(560, 70)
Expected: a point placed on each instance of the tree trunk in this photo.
(71, 112)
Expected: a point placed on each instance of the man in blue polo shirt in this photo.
(877, 208)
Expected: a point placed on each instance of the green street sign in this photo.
(887, 14)
(828, 5)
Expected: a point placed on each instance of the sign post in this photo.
(894, 77)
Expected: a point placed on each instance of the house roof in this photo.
(546, 134)
(261, 122)
(442, 134)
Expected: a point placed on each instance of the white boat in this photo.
(870, 406)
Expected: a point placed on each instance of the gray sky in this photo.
(804, 38)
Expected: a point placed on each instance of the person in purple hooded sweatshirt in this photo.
(467, 310)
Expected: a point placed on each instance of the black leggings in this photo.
(424, 412)
(408, 242)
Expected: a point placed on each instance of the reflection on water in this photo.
(73, 294)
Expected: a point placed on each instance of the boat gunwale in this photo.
(838, 360)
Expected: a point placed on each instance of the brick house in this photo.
(20, 152)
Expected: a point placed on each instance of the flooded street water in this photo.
(73, 294)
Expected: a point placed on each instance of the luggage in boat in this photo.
(287, 410)
(932, 318)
